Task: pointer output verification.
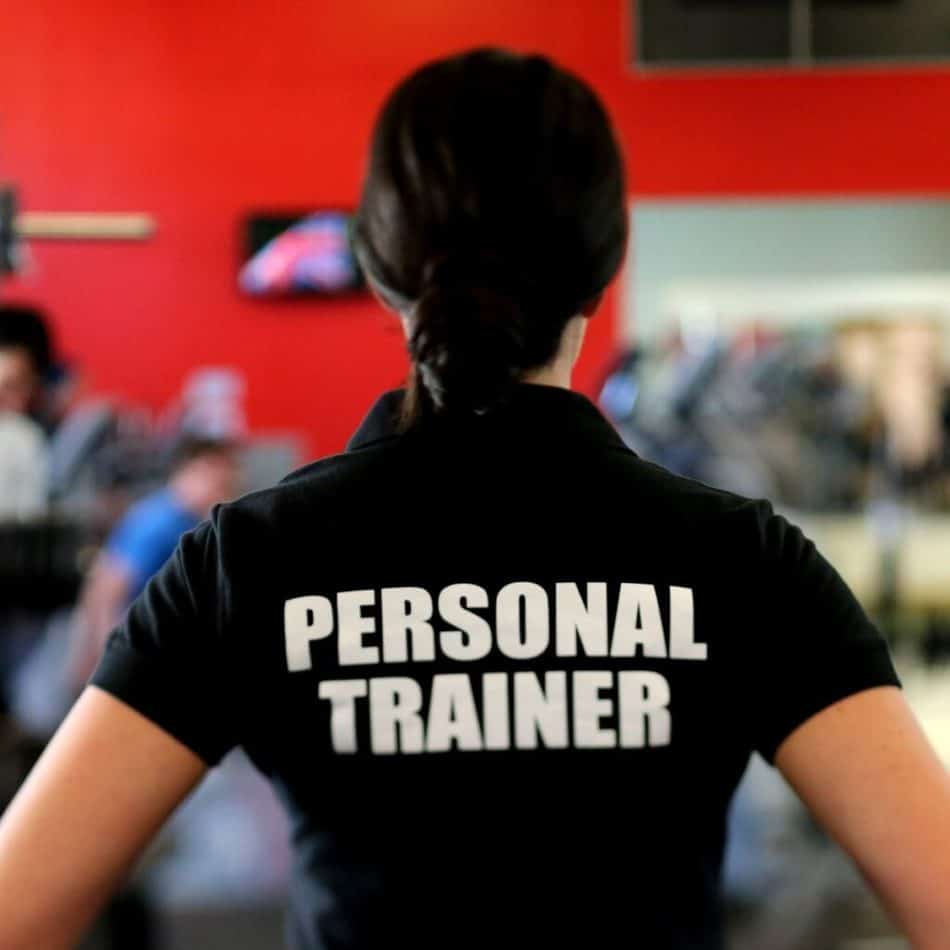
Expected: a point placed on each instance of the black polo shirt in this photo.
(504, 673)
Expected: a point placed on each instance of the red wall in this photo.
(197, 112)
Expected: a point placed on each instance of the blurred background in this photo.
(181, 321)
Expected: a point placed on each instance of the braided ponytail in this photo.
(492, 212)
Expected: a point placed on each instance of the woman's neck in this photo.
(559, 371)
(553, 374)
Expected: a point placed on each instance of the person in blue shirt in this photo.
(204, 472)
(143, 539)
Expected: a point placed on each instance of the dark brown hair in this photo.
(25, 326)
(188, 447)
(492, 212)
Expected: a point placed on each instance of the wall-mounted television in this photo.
(299, 254)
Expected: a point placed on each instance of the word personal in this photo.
(483, 709)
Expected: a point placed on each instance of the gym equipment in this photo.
(17, 226)
(772, 422)
(42, 562)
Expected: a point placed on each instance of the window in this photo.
(793, 32)
(881, 29)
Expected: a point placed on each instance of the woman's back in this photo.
(482, 704)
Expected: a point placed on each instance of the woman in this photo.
(505, 674)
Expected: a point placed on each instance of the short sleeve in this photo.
(167, 658)
(812, 644)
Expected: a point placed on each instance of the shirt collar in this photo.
(551, 411)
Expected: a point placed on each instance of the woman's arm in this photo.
(867, 772)
(103, 787)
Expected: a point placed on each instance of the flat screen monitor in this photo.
(304, 254)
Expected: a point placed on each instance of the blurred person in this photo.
(205, 472)
(24, 467)
(504, 674)
(25, 358)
